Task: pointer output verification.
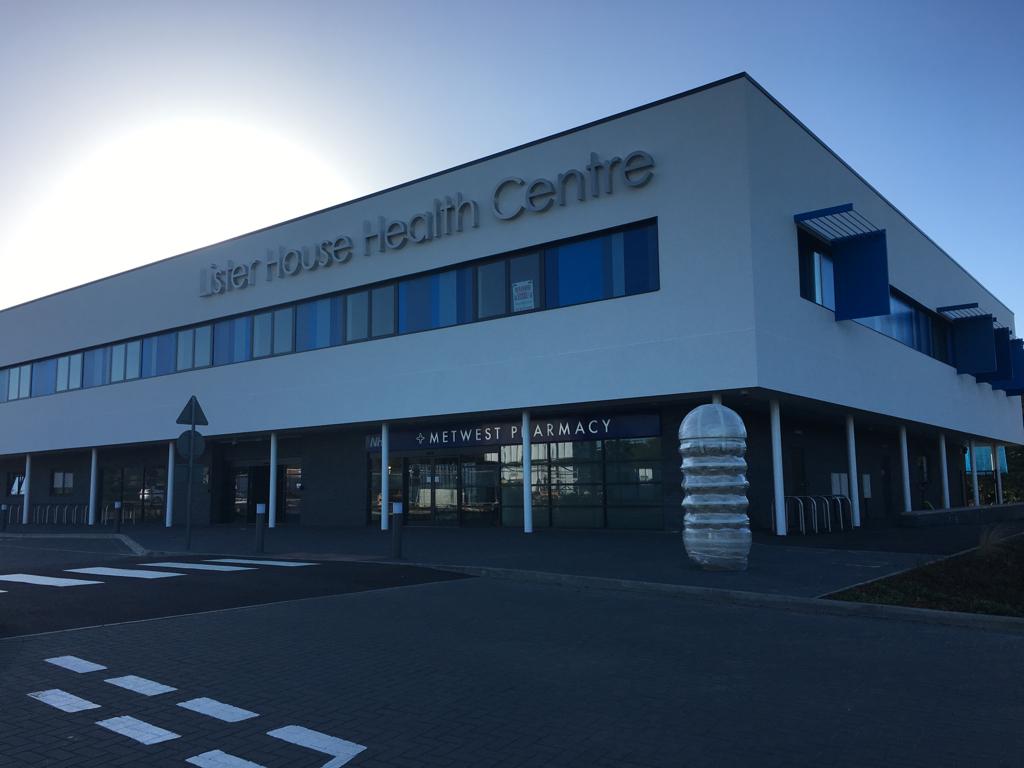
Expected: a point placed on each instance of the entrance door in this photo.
(432, 487)
(446, 491)
(419, 505)
(480, 495)
(249, 486)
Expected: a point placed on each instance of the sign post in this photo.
(190, 444)
(261, 515)
(396, 530)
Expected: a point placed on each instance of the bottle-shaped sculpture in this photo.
(716, 529)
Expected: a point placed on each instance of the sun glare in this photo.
(157, 191)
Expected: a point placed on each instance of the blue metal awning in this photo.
(860, 261)
(835, 223)
(960, 311)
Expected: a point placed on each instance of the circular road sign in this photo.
(198, 444)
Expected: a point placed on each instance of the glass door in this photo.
(480, 483)
(419, 485)
(446, 491)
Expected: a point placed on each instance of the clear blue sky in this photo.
(924, 99)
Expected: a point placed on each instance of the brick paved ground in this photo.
(481, 672)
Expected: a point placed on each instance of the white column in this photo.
(944, 469)
(974, 474)
(169, 514)
(997, 474)
(716, 399)
(94, 489)
(385, 476)
(26, 499)
(905, 469)
(851, 461)
(777, 482)
(527, 476)
(272, 517)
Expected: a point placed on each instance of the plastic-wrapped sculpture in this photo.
(716, 532)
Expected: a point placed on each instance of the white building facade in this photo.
(594, 285)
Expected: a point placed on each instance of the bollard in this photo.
(716, 533)
(117, 516)
(261, 515)
(396, 531)
(3, 517)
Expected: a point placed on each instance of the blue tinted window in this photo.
(44, 377)
(317, 324)
(579, 272)
(232, 341)
(284, 327)
(435, 301)
(524, 282)
(203, 339)
(382, 308)
(262, 333)
(491, 291)
(96, 367)
(640, 259)
(132, 359)
(3, 386)
(357, 316)
(75, 371)
(158, 354)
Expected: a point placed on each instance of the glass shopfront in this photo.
(612, 482)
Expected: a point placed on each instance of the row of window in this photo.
(604, 266)
(61, 483)
(907, 322)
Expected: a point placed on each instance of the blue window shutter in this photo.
(974, 345)
(1004, 366)
(1015, 381)
(861, 265)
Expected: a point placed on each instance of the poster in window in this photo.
(522, 296)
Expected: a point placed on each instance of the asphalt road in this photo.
(36, 604)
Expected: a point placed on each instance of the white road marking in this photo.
(140, 685)
(75, 664)
(218, 710)
(46, 581)
(131, 573)
(281, 563)
(342, 751)
(199, 566)
(62, 700)
(218, 759)
(139, 730)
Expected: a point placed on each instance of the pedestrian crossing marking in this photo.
(130, 573)
(62, 700)
(341, 750)
(138, 730)
(75, 664)
(140, 685)
(46, 581)
(218, 759)
(218, 710)
(280, 563)
(198, 566)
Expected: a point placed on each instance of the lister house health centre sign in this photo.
(510, 198)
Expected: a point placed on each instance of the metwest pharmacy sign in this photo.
(576, 428)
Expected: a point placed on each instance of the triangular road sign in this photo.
(192, 413)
